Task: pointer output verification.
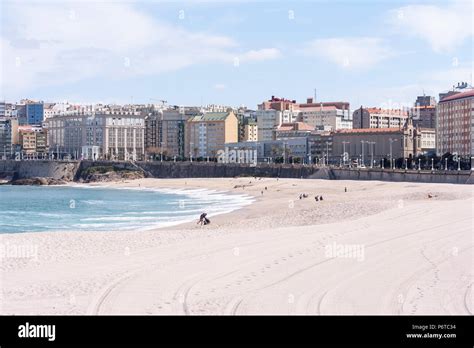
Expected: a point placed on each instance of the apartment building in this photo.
(250, 131)
(424, 116)
(267, 121)
(427, 140)
(379, 118)
(455, 124)
(33, 140)
(7, 110)
(8, 136)
(328, 116)
(105, 135)
(165, 132)
(208, 133)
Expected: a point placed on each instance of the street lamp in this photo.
(391, 155)
(362, 155)
(372, 145)
(161, 151)
(419, 164)
(432, 164)
(459, 163)
(446, 163)
(327, 153)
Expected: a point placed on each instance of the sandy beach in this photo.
(379, 248)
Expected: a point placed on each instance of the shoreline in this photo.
(191, 193)
(242, 253)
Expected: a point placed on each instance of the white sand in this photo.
(411, 255)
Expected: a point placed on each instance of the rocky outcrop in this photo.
(111, 176)
(38, 181)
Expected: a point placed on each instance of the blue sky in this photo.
(369, 53)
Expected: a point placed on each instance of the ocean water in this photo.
(85, 208)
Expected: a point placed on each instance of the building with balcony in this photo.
(104, 135)
(208, 133)
(455, 124)
(379, 118)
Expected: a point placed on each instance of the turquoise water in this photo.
(61, 208)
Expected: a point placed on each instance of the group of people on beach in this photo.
(317, 198)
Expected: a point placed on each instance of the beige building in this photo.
(250, 131)
(378, 118)
(206, 134)
(365, 144)
(105, 135)
(165, 132)
(33, 140)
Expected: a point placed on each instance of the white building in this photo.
(329, 118)
(427, 140)
(267, 121)
(379, 118)
(108, 135)
(7, 110)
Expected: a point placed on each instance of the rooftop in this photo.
(462, 95)
(369, 130)
(301, 126)
(397, 112)
(210, 116)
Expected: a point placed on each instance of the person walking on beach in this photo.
(345, 189)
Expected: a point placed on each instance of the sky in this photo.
(371, 53)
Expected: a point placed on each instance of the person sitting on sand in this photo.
(320, 198)
(203, 219)
(316, 198)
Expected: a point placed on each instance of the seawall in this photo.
(71, 170)
(427, 176)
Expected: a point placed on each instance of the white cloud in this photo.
(220, 86)
(260, 55)
(350, 53)
(443, 27)
(59, 43)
